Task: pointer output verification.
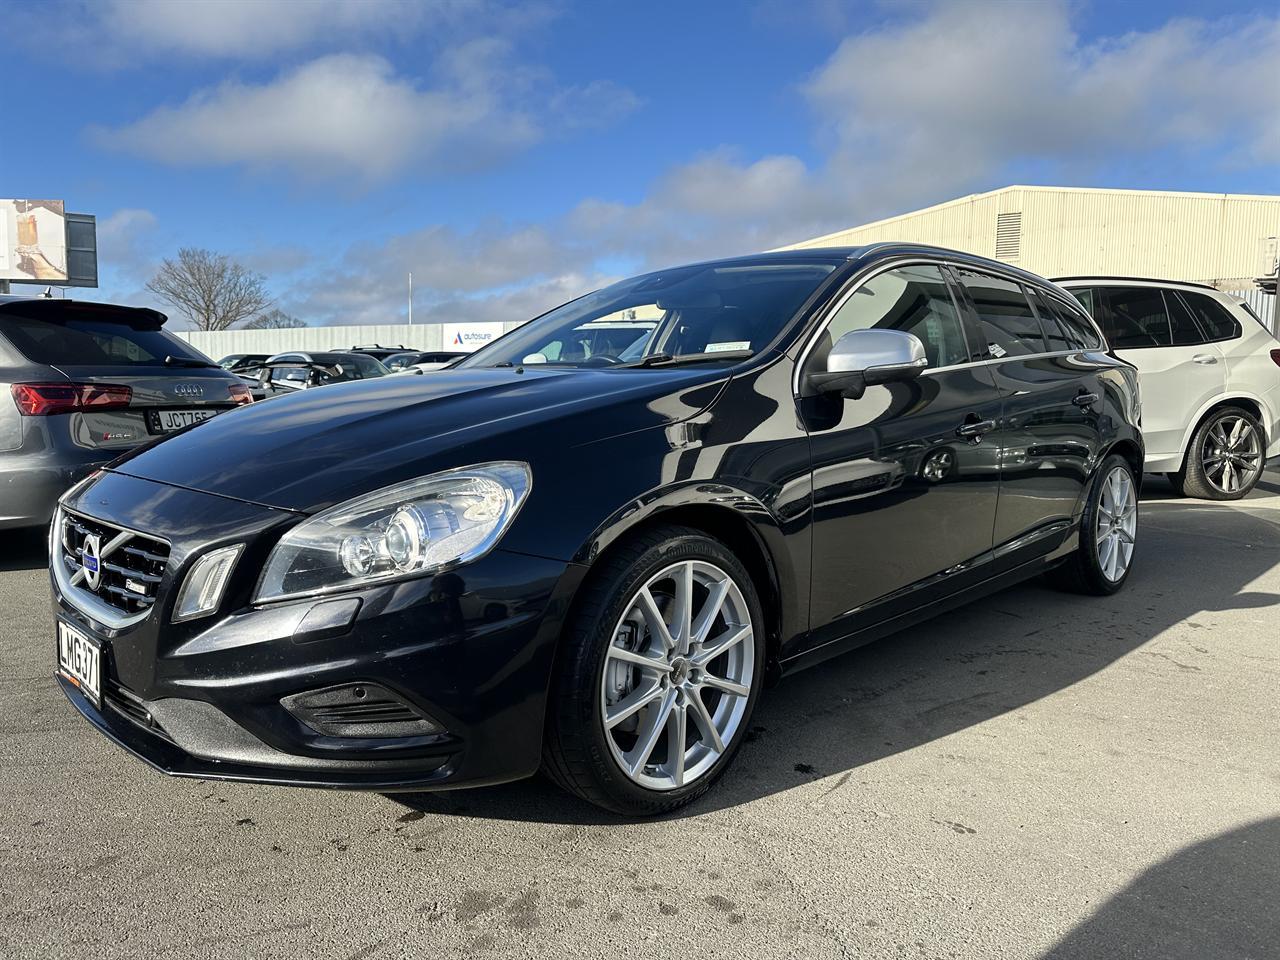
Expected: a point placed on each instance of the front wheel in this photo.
(657, 676)
(1108, 533)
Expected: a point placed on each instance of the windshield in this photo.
(733, 309)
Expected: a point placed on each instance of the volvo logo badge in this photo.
(90, 562)
(188, 390)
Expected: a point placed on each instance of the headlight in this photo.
(406, 530)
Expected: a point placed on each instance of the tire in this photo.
(1090, 569)
(1216, 468)
(585, 757)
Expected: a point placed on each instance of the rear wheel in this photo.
(1108, 533)
(1225, 458)
(657, 676)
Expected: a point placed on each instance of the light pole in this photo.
(411, 298)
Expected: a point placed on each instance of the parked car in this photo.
(239, 362)
(590, 566)
(379, 352)
(290, 372)
(1210, 377)
(81, 383)
(421, 361)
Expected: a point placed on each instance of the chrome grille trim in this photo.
(135, 561)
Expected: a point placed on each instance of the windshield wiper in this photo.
(679, 359)
(172, 361)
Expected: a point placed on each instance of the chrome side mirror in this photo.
(861, 358)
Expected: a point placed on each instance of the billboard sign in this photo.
(469, 336)
(33, 241)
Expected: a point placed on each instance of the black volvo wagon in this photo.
(559, 558)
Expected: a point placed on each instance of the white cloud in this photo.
(336, 115)
(118, 32)
(353, 115)
(959, 96)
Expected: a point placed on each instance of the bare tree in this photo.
(275, 319)
(210, 289)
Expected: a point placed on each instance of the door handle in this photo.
(1204, 358)
(973, 428)
(1085, 399)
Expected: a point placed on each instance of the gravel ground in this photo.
(1036, 775)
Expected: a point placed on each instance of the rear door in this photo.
(1049, 431)
(1179, 370)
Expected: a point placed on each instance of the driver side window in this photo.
(914, 299)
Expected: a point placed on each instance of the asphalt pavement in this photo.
(1037, 775)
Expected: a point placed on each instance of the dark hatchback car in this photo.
(591, 566)
(82, 382)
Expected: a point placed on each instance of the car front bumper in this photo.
(470, 650)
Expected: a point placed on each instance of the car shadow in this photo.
(981, 661)
(1215, 898)
(26, 549)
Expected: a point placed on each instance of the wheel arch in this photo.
(736, 519)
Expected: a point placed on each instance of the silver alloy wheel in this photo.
(1117, 524)
(678, 674)
(1231, 456)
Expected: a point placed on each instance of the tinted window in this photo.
(1079, 329)
(1056, 336)
(1183, 330)
(707, 309)
(914, 299)
(1087, 300)
(1213, 316)
(1009, 327)
(1134, 317)
(91, 343)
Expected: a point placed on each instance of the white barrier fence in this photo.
(220, 343)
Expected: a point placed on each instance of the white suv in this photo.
(1210, 377)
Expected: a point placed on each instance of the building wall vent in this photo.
(1008, 236)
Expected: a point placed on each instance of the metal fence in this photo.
(220, 343)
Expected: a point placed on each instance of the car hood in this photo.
(318, 447)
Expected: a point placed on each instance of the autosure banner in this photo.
(469, 336)
(33, 241)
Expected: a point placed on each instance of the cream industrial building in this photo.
(1222, 239)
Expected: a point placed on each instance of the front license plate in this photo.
(80, 661)
(167, 421)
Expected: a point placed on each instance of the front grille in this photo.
(130, 565)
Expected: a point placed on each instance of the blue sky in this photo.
(514, 156)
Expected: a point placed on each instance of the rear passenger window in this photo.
(1009, 327)
(1213, 316)
(1057, 337)
(1134, 317)
(1184, 330)
(1079, 330)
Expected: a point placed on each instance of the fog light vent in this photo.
(359, 710)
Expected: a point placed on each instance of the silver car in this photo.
(80, 384)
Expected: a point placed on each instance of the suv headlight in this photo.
(406, 530)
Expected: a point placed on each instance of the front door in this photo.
(904, 483)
